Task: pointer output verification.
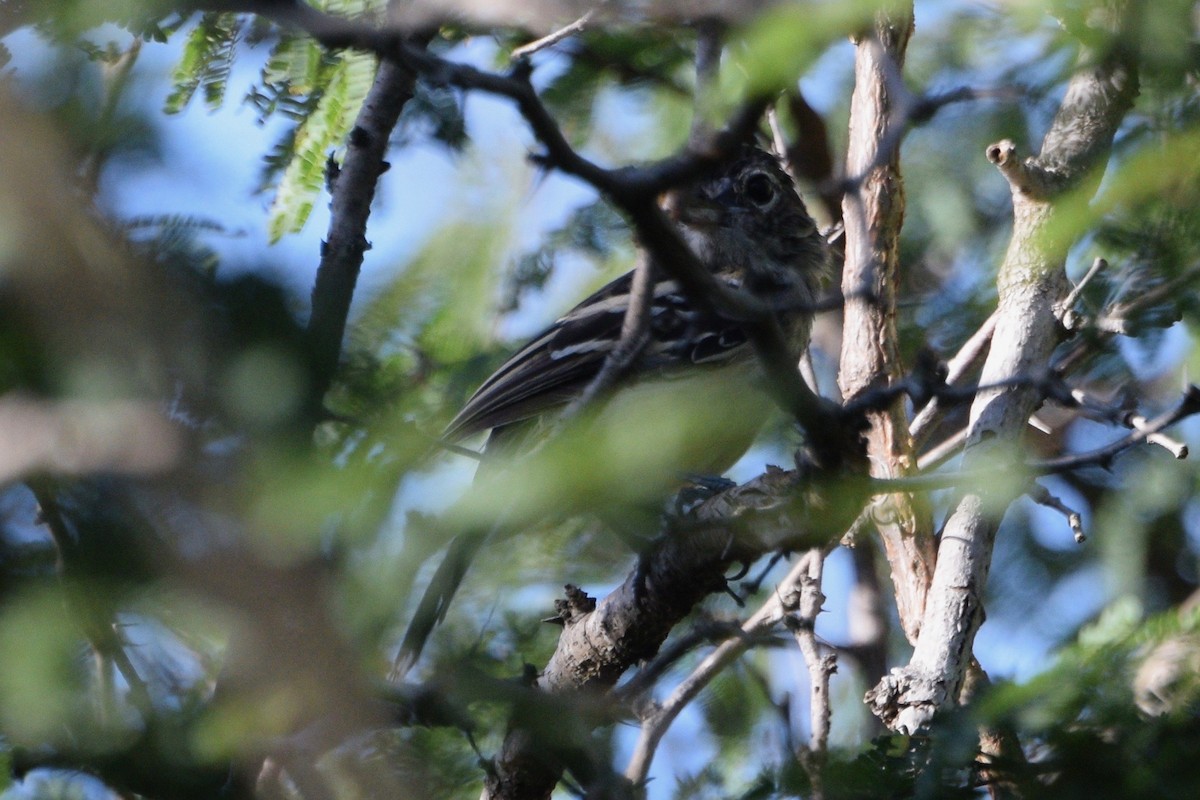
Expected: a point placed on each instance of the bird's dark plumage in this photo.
(748, 226)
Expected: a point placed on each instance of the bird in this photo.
(694, 397)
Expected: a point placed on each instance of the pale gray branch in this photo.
(821, 663)
(554, 37)
(657, 718)
(1032, 284)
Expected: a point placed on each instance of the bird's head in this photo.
(749, 224)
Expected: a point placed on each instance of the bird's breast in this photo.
(701, 421)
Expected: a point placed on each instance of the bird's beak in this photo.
(689, 207)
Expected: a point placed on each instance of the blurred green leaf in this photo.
(206, 62)
(771, 53)
(40, 686)
(322, 131)
(442, 301)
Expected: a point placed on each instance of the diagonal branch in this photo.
(353, 189)
(659, 717)
(601, 641)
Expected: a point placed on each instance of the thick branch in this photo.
(1032, 284)
(353, 190)
(874, 212)
(597, 645)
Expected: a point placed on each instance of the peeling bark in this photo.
(874, 214)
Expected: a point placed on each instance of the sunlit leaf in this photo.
(324, 129)
(773, 51)
(206, 62)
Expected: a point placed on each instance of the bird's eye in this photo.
(760, 189)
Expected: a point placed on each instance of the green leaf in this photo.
(206, 62)
(294, 66)
(37, 643)
(323, 130)
(443, 298)
(779, 45)
(5, 767)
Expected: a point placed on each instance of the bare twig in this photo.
(943, 451)
(1070, 320)
(1102, 456)
(657, 719)
(1115, 319)
(1188, 405)
(551, 39)
(1125, 415)
(821, 663)
(1042, 496)
(956, 369)
(1175, 448)
(707, 632)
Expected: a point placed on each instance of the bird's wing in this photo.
(557, 363)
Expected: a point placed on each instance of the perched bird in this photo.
(693, 399)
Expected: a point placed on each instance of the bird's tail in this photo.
(436, 599)
(502, 443)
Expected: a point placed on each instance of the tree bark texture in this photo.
(602, 640)
(1032, 283)
(874, 213)
(353, 190)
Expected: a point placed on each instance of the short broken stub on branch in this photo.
(905, 700)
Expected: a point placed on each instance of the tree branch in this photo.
(778, 509)
(657, 719)
(874, 212)
(353, 189)
(821, 662)
(1032, 283)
